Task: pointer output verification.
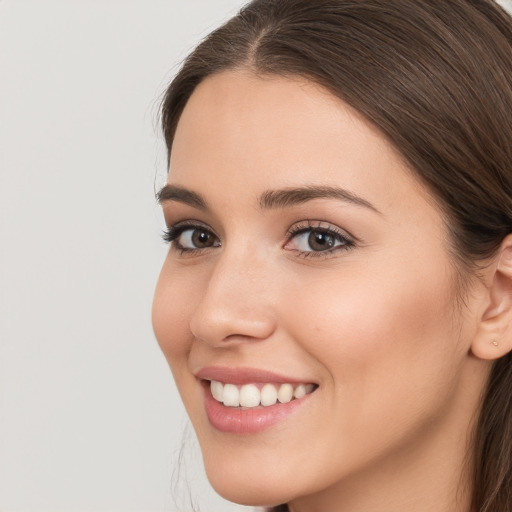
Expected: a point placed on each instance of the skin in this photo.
(378, 325)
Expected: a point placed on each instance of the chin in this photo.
(253, 494)
(254, 487)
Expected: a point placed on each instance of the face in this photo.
(305, 258)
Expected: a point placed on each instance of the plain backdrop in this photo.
(89, 416)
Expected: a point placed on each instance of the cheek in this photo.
(389, 336)
(174, 297)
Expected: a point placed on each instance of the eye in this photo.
(195, 238)
(191, 237)
(316, 241)
(311, 239)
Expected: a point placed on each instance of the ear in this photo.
(493, 338)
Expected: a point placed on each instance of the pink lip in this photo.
(242, 375)
(252, 420)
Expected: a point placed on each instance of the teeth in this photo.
(231, 395)
(299, 391)
(217, 390)
(268, 394)
(250, 395)
(285, 393)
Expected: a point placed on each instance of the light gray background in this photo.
(89, 417)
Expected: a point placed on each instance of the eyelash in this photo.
(172, 233)
(346, 241)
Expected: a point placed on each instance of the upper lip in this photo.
(244, 375)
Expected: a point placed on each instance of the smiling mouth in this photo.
(249, 396)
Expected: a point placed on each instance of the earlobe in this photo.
(494, 335)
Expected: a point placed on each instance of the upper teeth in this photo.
(251, 395)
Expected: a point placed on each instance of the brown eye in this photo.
(317, 240)
(202, 238)
(192, 238)
(321, 241)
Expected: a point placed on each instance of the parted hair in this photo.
(435, 77)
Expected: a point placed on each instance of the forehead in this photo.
(254, 132)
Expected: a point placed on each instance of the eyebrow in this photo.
(182, 195)
(293, 196)
(270, 199)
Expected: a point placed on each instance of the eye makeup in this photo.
(307, 239)
(317, 239)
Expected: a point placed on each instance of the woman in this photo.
(336, 305)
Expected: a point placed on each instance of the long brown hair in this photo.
(435, 76)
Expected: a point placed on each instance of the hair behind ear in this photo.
(493, 442)
(492, 489)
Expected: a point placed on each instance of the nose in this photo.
(236, 306)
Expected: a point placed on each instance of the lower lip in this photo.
(248, 421)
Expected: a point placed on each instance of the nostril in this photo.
(240, 338)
